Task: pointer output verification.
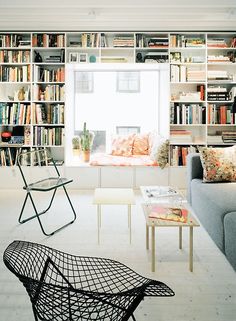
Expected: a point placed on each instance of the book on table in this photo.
(176, 214)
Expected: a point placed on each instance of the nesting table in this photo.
(113, 196)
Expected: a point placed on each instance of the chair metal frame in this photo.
(48, 184)
(78, 288)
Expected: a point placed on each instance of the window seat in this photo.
(103, 159)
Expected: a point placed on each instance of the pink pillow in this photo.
(122, 145)
(141, 144)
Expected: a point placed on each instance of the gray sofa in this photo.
(215, 206)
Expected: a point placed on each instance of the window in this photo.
(128, 82)
(94, 99)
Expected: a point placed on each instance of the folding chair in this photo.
(41, 157)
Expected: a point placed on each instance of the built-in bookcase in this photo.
(32, 83)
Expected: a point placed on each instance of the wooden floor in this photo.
(207, 294)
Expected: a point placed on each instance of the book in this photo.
(175, 214)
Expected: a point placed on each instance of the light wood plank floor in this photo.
(207, 294)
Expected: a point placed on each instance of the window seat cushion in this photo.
(102, 159)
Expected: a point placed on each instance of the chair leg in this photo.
(37, 214)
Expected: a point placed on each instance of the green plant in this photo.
(76, 142)
(86, 139)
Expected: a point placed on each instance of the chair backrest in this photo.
(31, 162)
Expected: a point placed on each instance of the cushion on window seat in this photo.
(102, 159)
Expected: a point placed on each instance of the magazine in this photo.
(160, 191)
(176, 214)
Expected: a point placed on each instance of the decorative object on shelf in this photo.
(92, 58)
(76, 145)
(38, 57)
(21, 94)
(6, 136)
(86, 141)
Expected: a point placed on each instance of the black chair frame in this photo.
(44, 185)
(78, 288)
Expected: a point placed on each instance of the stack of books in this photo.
(181, 136)
(229, 137)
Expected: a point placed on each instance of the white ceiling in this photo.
(120, 15)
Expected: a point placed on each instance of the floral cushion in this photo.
(219, 164)
(141, 144)
(122, 145)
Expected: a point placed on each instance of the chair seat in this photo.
(48, 184)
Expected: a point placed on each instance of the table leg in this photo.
(129, 221)
(180, 237)
(147, 237)
(153, 248)
(191, 248)
(99, 221)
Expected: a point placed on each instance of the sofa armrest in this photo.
(194, 170)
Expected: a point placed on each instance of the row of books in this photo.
(15, 74)
(43, 74)
(186, 74)
(50, 92)
(48, 136)
(48, 114)
(187, 114)
(8, 156)
(14, 40)
(178, 154)
(222, 114)
(15, 113)
(48, 40)
(86, 40)
(219, 58)
(186, 41)
(16, 56)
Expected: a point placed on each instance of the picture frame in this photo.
(73, 57)
(83, 58)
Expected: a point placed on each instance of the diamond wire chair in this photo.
(78, 288)
(41, 157)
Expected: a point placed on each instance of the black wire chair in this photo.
(68, 287)
(50, 181)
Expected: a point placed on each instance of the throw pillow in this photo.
(219, 164)
(163, 154)
(122, 145)
(141, 144)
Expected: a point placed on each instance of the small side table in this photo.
(156, 223)
(113, 196)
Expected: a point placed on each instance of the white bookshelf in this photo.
(194, 58)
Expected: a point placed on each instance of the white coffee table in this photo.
(113, 196)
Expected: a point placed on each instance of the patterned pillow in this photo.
(141, 144)
(219, 164)
(122, 145)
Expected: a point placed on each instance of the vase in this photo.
(86, 155)
(76, 152)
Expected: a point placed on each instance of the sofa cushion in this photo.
(230, 236)
(122, 145)
(141, 144)
(211, 202)
(219, 164)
